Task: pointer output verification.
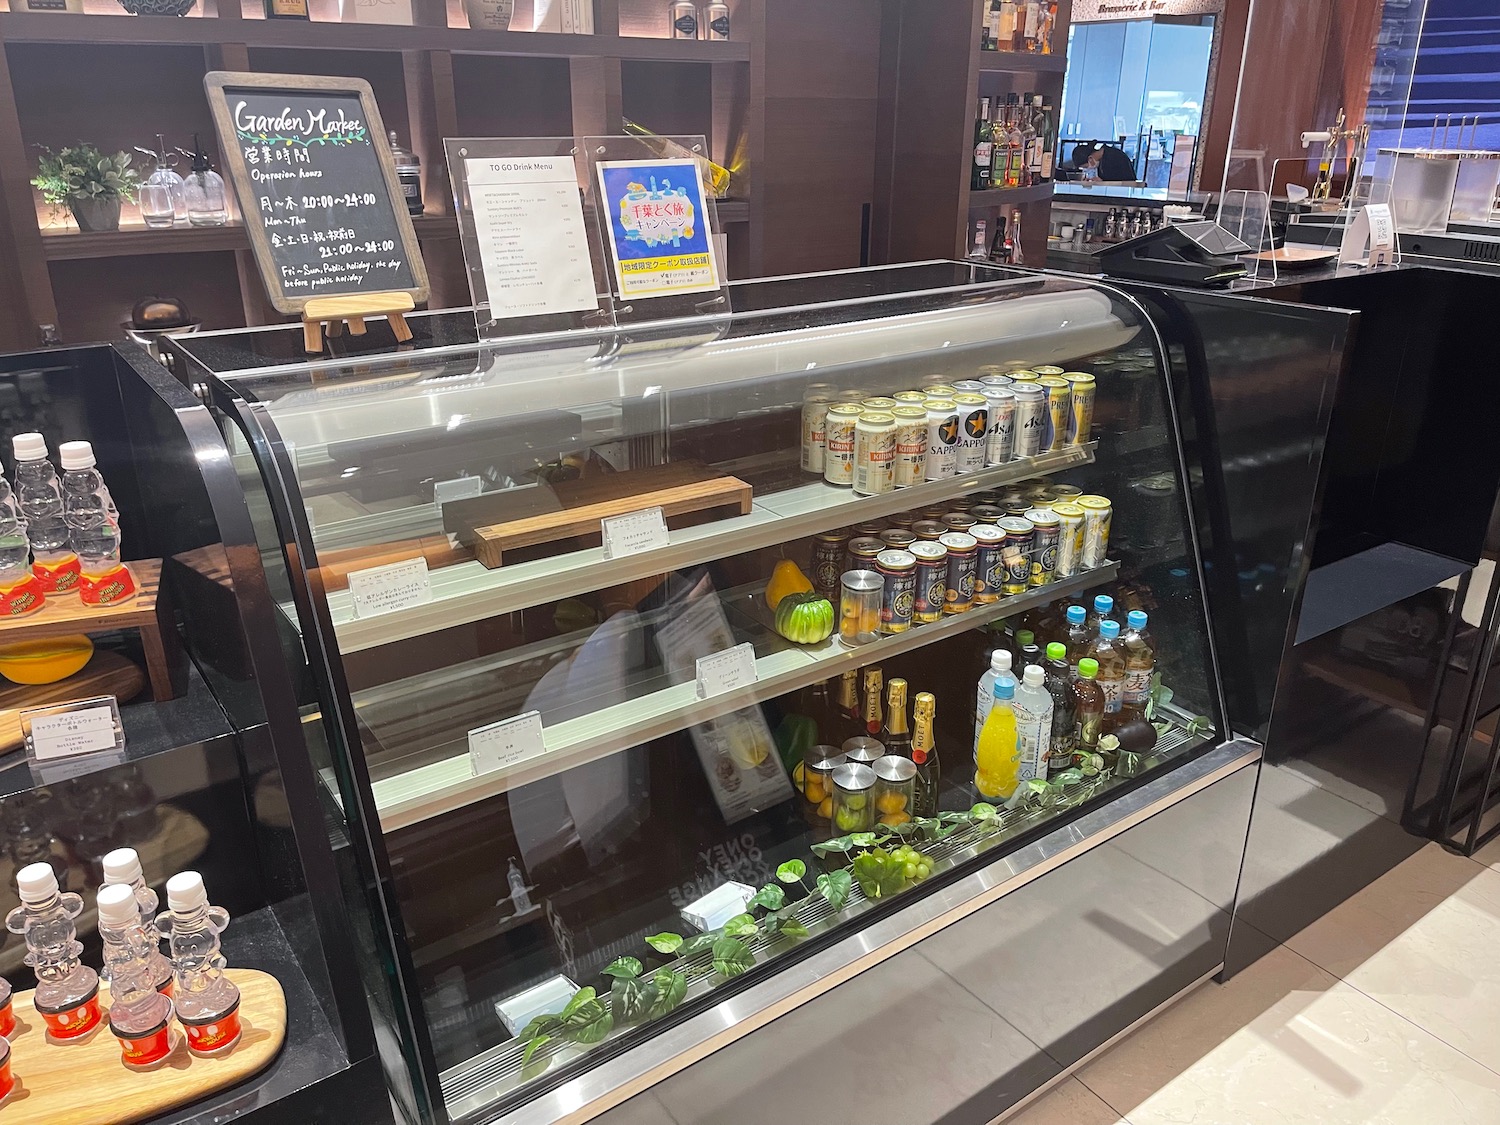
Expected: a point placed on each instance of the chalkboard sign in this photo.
(317, 187)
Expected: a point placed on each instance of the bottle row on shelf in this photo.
(1014, 142)
(1019, 25)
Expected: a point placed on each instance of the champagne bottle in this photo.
(924, 754)
(715, 177)
(896, 734)
(873, 720)
(852, 720)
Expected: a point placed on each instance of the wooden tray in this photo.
(106, 673)
(87, 1084)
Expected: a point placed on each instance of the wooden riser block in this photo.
(87, 1084)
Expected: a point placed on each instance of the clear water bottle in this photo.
(67, 990)
(20, 592)
(93, 528)
(122, 868)
(55, 563)
(207, 205)
(207, 1001)
(138, 1013)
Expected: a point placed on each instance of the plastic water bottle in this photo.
(122, 867)
(67, 990)
(55, 562)
(207, 1002)
(93, 528)
(20, 592)
(138, 1012)
(1033, 724)
(1000, 663)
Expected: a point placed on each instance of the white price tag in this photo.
(634, 532)
(460, 489)
(505, 743)
(385, 589)
(725, 671)
(67, 733)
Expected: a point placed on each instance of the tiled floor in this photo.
(1385, 1011)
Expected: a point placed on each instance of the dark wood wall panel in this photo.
(383, 70)
(512, 97)
(95, 297)
(670, 98)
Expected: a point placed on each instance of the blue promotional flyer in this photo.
(658, 227)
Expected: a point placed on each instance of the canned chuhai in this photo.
(1000, 442)
(829, 550)
(838, 457)
(911, 445)
(1020, 535)
(942, 439)
(1096, 516)
(874, 453)
(1055, 435)
(932, 581)
(898, 537)
(1080, 406)
(1044, 547)
(989, 565)
(931, 530)
(898, 599)
(814, 422)
(958, 521)
(1069, 539)
(973, 431)
(1031, 419)
(963, 552)
(862, 553)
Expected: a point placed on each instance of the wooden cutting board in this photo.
(106, 673)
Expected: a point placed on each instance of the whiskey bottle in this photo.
(286, 10)
(1015, 144)
(896, 734)
(924, 754)
(984, 148)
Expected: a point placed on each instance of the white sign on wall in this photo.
(1096, 11)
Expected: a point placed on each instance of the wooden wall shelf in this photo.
(1007, 197)
(1020, 62)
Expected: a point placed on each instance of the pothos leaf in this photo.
(532, 1046)
(741, 925)
(835, 887)
(839, 844)
(580, 998)
(792, 928)
(983, 811)
(631, 998)
(731, 957)
(588, 1021)
(624, 968)
(541, 1026)
(665, 943)
(670, 987)
(864, 839)
(791, 871)
(770, 896)
(699, 942)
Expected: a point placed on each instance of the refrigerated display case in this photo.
(600, 784)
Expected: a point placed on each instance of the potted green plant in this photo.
(91, 184)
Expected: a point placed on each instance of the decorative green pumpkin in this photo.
(804, 618)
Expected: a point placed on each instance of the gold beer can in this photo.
(874, 453)
(1096, 516)
(838, 434)
(1055, 430)
(911, 445)
(1080, 406)
(1069, 539)
(1045, 371)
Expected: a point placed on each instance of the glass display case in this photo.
(586, 615)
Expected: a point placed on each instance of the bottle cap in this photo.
(76, 455)
(1136, 619)
(1025, 637)
(37, 882)
(1005, 688)
(1034, 676)
(1057, 651)
(1000, 660)
(1103, 604)
(122, 866)
(1109, 630)
(117, 906)
(1077, 615)
(29, 447)
(185, 892)
(1088, 668)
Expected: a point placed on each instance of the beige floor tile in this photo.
(1421, 940)
(1070, 1102)
(1489, 855)
(1285, 1043)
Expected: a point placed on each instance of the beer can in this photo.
(814, 421)
(988, 513)
(973, 431)
(1044, 547)
(996, 380)
(1011, 496)
(1044, 371)
(958, 521)
(1020, 535)
(958, 504)
(1024, 375)
(1055, 434)
(862, 553)
(826, 391)
(879, 403)
(942, 439)
(870, 529)
(932, 581)
(931, 530)
(829, 551)
(911, 445)
(968, 386)
(1080, 406)
(898, 599)
(898, 538)
(1066, 493)
(963, 557)
(1031, 419)
(992, 369)
(910, 398)
(903, 520)
(1069, 539)
(853, 395)
(874, 453)
(940, 390)
(1096, 514)
(989, 564)
(1000, 443)
(838, 433)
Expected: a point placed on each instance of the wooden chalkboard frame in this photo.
(215, 83)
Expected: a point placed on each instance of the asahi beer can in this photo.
(1044, 546)
(1080, 406)
(963, 552)
(838, 434)
(814, 432)
(1020, 535)
(862, 553)
(829, 550)
(874, 453)
(996, 380)
(932, 581)
(879, 403)
(968, 386)
(1001, 440)
(942, 439)
(910, 398)
(989, 565)
(940, 390)
(973, 431)
(911, 445)
(1096, 514)
(899, 596)
(1069, 539)
(1044, 371)
(1031, 419)
(1055, 434)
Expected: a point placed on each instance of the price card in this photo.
(634, 532)
(385, 589)
(725, 671)
(68, 730)
(505, 743)
(460, 489)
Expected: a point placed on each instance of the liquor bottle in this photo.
(979, 251)
(895, 733)
(1049, 26)
(995, 752)
(1049, 142)
(873, 720)
(1013, 249)
(1030, 155)
(1110, 655)
(1015, 144)
(924, 754)
(286, 10)
(984, 148)
(997, 247)
(715, 176)
(67, 990)
(1078, 636)
(1140, 666)
(851, 718)
(1005, 36)
(207, 1001)
(1018, 25)
(138, 1012)
(1033, 32)
(1037, 130)
(122, 867)
(999, 669)
(203, 191)
(39, 496)
(1064, 710)
(1033, 704)
(989, 34)
(1000, 129)
(1088, 704)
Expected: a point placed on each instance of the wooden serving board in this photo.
(87, 1084)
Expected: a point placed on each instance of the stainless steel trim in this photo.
(626, 1075)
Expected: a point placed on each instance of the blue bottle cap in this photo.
(1136, 619)
(1109, 630)
(1077, 615)
(1005, 687)
(1103, 604)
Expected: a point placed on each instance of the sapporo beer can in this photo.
(1031, 419)
(942, 438)
(1055, 433)
(973, 431)
(1096, 515)
(911, 445)
(1020, 535)
(1082, 388)
(1044, 546)
(1069, 539)
(989, 565)
(828, 563)
(932, 581)
(814, 433)
(838, 456)
(899, 595)
(874, 453)
(1001, 441)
